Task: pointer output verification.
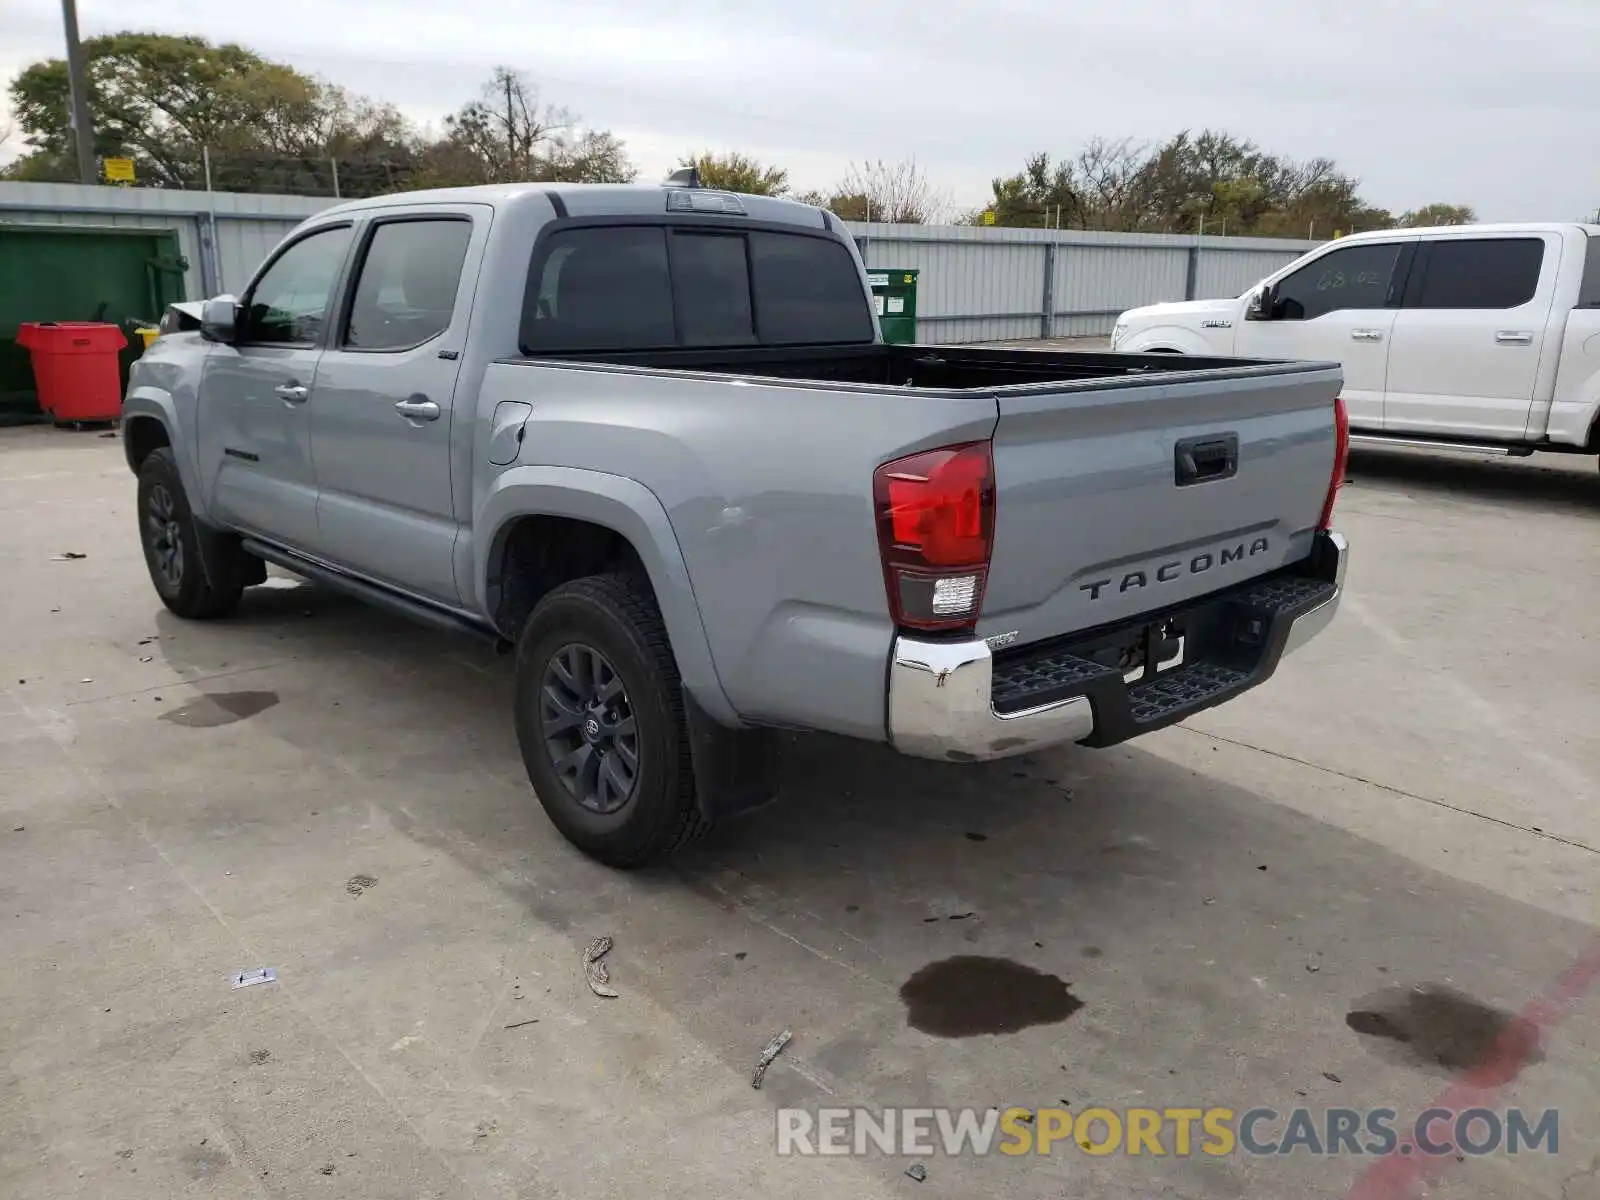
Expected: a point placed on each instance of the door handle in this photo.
(1366, 335)
(292, 393)
(1513, 337)
(418, 408)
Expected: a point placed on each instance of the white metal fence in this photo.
(974, 284)
(223, 235)
(982, 285)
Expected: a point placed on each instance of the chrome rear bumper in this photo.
(941, 693)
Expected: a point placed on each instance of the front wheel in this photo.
(172, 548)
(600, 722)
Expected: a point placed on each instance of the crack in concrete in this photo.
(1397, 791)
(1592, 1170)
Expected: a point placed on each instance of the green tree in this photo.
(1438, 214)
(162, 100)
(1212, 180)
(1041, 194)
(736, 172)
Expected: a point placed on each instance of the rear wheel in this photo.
(600, 722)
(172, 545)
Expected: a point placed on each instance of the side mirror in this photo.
(1263, 303)
(219, 319)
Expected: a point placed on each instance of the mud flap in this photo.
(735, 770)
(224, 561)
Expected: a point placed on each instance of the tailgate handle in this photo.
(1202, 459)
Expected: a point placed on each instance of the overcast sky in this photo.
(1465, 101)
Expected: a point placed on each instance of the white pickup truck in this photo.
(1479, 337)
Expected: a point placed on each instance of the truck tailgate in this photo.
(1114, 501)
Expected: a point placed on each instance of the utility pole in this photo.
(511, 132)
(78, 80)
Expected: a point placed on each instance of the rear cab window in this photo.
(605, 288)
(648, 287)
(711, 289)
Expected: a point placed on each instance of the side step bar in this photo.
(380, 597)
(1401, 441)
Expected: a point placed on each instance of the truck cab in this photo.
(1478, 336)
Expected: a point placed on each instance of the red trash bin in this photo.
(75, 366)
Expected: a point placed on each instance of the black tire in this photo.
(172, 545)
(614, 620)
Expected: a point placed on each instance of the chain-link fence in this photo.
(262, 172)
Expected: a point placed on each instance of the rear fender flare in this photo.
(630, 509)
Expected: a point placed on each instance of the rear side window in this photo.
(601, 289)
(406, 292)
(648, 287)
(1478, 273)
(1589, 289)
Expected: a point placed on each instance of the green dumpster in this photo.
(894, 296)
(78, 273)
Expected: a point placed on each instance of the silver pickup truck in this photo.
(650, 439)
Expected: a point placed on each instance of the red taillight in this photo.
(936, 531)
(1341, 458)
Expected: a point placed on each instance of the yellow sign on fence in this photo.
(119, 170)
(986, 217)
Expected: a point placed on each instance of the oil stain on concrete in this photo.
(204, 1162)
(1437, 1028)
(970, 995)
(220, 708)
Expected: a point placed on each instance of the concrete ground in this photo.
(316, 787)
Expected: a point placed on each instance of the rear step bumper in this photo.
(954, 701)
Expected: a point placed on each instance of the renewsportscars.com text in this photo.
(1157, 1132)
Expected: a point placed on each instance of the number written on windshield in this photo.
(1333, 280)
(1355, 276)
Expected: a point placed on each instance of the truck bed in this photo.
(1125, 485)
(923, 368)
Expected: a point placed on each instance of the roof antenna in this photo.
(685, 177)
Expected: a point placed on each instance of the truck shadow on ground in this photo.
(1549, 483)
(1159, 893)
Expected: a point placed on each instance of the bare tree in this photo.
(508, 134)
(897, 193)
(1111, 178)
(591, 156)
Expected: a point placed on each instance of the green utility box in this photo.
(894, 297)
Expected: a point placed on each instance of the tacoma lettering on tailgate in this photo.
(1177, 568)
